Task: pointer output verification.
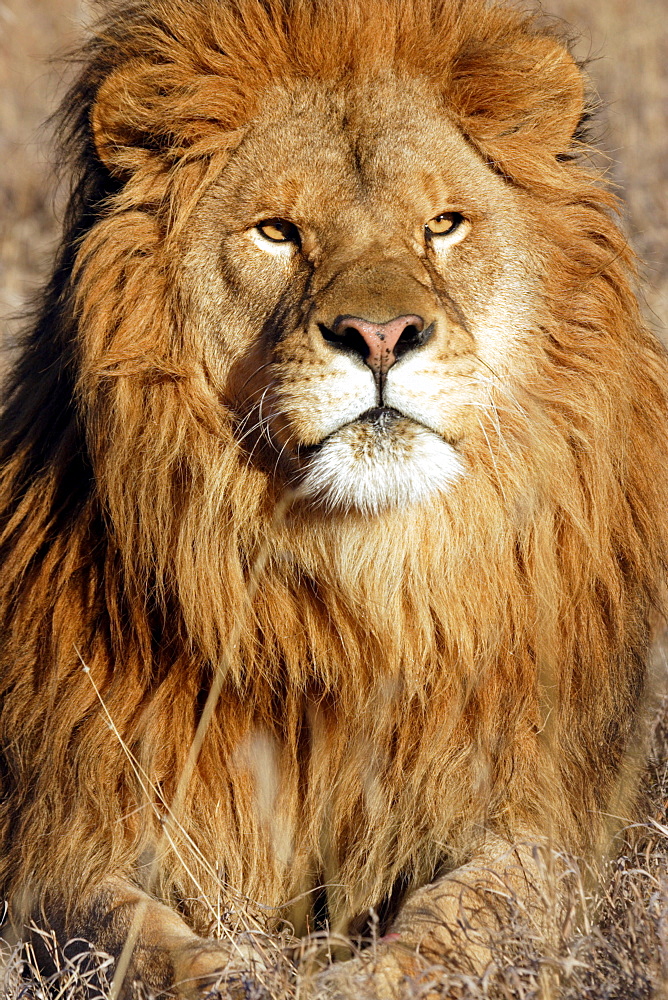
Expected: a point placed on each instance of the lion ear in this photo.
(519, 100)
(123, 119)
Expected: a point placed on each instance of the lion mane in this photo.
(390, 687)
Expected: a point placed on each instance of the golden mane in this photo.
(131, 520)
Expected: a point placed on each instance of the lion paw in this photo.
(236, 986)
(380, 974)
(212, 971)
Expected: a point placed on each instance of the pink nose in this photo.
(380, 344)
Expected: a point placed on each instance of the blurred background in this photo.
(624, 41)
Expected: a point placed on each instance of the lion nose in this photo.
(378, 344)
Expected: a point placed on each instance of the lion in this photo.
(333, 493)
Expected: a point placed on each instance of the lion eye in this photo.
(278, 231)
(444, 224)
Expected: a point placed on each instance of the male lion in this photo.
(333, 493)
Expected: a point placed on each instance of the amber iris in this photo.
(443, 224)
(278, 231)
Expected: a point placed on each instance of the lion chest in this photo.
(337, 803)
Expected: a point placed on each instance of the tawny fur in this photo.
(396, 686)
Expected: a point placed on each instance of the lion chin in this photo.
(381, 460)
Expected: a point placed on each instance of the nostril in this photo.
(345, 337)
(409, 339)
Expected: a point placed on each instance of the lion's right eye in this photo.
(444, 224)
(279, 231)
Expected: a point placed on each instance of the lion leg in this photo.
(448, 927)
(152, 944)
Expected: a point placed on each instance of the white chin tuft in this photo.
(368, 468)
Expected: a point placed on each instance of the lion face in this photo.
(361, 278)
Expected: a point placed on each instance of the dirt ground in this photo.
(621, 952)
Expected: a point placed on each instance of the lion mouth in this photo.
(375, 424)
(376, 420)
(383, 418)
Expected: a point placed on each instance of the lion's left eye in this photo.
(444, 224)
(278, 231)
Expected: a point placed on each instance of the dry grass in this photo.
(615, 947)
(31, 32)
(626, 47)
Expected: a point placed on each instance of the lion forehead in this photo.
(319, 150)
